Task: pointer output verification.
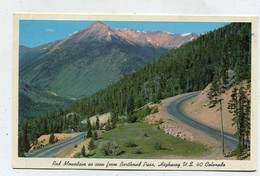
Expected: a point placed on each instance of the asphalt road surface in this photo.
(50, 150)
(176, 110)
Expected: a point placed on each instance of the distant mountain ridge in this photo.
(90, 60)
(155, 38)
(26, 53)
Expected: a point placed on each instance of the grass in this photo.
(66, 154)
(146, 143)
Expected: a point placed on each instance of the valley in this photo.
(86, 62)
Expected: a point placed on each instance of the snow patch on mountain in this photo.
(192, 38)
(187, 34)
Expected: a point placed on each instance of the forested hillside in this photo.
(188, 68)
(26, 54)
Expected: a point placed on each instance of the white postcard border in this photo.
(40, 163)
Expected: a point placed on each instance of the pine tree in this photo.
(24, 144)
(233, 106)
(213, 92)
(108, 125)
(247, 121)
(113, 119)
(91, 145)
(224, 65)
(215, 96)
(239, 106)
(244, 117)
(52, 139)
(89, 127)
(83, 151)
(95, 135)
(97, 123)
(130, 105)
(89, 134)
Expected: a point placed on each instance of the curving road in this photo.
(50, 150)
(176, 110)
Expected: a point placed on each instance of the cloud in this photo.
(50, 30)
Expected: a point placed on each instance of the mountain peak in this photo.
(99, 29)
(98, 25)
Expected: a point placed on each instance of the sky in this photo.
(38, 32)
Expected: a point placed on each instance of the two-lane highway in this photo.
(50, 150)
(176, 110)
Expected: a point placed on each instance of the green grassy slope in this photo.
(135, 132)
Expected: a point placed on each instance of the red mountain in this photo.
(88, 61)
(155, 38)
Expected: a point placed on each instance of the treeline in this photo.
(57, 121)
(188, 68)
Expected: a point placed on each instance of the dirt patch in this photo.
(198, 108)
(154, 119)
(102, 118)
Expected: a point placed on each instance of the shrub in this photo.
(148, 110)
(95, 135)
(75, 146)
(160, 121)
(91, 145)
(157, 146)
(101, 127)
(77, 155)
(108, 125)
(131, 118)
(137, 151)
(154, 110)
(140, 114)
(146, 135)
(56, 140)
(130, 144)
(110, 148)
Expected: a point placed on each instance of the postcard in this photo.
(134, 92)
